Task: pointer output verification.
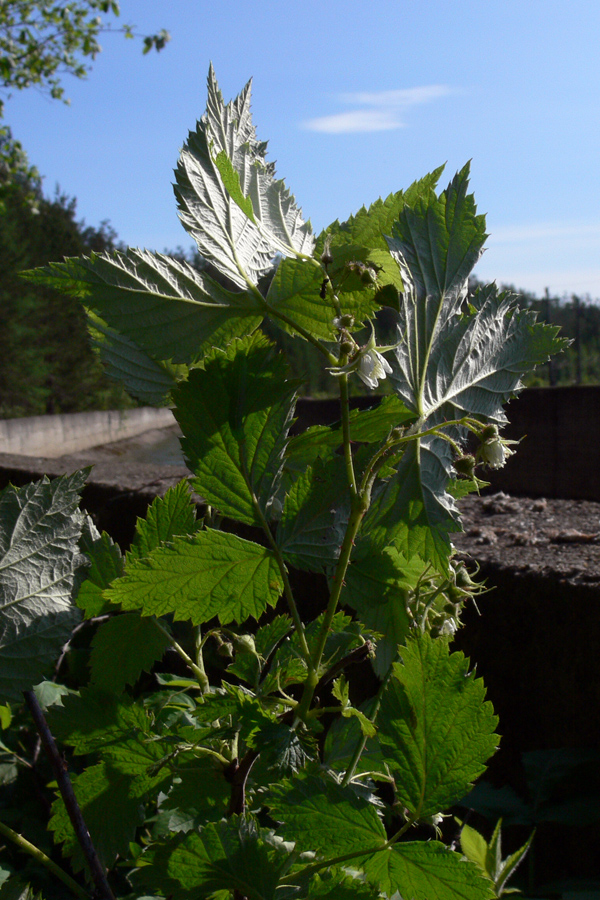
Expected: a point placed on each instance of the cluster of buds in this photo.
(436, 603)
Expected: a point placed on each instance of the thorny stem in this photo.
(97, 872)
(41, 857)
(198, 670)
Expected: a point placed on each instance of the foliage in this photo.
(222, 747)
(488, 856)
(42, 334)
(40, 42)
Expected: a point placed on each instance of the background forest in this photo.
(47, 361)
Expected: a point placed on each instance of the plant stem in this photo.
(97, 872)
(363, 738)
(287, 588)
(197, 670)
(41, 857)
(345, 410)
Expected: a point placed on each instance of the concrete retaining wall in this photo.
(53, 436)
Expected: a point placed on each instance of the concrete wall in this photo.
(53, 436)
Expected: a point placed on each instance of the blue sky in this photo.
(356, 100)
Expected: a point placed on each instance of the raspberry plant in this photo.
(257, 767)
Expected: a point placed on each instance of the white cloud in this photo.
(383, 110)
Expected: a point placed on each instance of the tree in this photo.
(41, 41)
(43, 336)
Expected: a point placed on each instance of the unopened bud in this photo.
(465, 465)
(489, 432)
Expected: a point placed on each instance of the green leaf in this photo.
(426, 871)
(123, 648)
(342, 740)
(249, 666)
(474, 846)
(111, 804)
(168, 516)
(231, 181)
(106, 565)
(366, 426)
(166, 307)
(215, 204)
(377, 584)
(452, 361)
(208, 574)
(435, 729)
(412, 510)
(369, 226)
(315, 515)
(336, 884)
(147, 379)
(321, 815)
(40, 562)
(234, 414)
(295, 292)
(199, 792)
(228, 855)
(96, 720)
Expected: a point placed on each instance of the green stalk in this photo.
(287, 588)
(196, 669)
(363, 738)
(41, 857)
(345, 410)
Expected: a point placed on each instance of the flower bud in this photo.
(489, 432)
(346, 347)
(465, 465)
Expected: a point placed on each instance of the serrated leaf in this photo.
(168, 516)
(200, 792)
(321, 815)
(208, 574)
(106, 565)
(366, 426)
(377, 583)
(295, 292)
(234, 414)
(147, 379)
(452, 361)
(123, 648)
(249, 666)
(95, 720)
(215, 211)
(342, 740)
(369, 227)
(166, 307)
(111, 804)
(40, 562)
(336, 884)
(227, 855)
(436, 731)
(426, 871)
(315, 515)
(412, 510)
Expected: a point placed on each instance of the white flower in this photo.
(368, 363)
(494, 453)
(372, 367)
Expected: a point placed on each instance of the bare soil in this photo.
(558, 539)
